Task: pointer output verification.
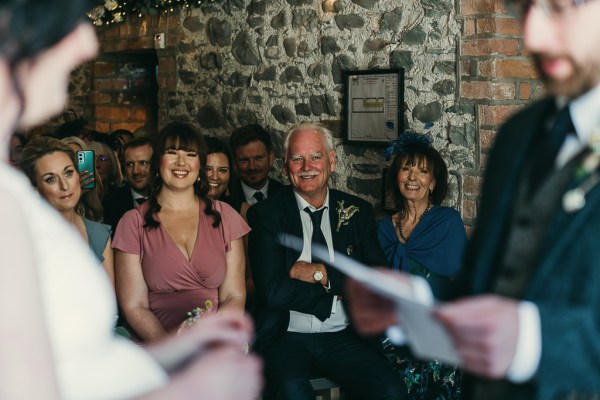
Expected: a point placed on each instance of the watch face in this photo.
(318, 276)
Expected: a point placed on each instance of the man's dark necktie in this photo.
(317, 234)
(258, 196)
(543, 163)
(140, 200)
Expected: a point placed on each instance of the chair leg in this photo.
(335, 393)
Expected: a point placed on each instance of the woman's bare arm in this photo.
(132, 293)
(232, 292)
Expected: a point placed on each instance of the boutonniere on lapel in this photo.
(587, 173)
(344, 214)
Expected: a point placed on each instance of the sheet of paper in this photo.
(414, 302)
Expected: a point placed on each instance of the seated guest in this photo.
(50, 165)
(107, 166)
(137, 155)
(253, 158)
(17, 142)
(122, 136)
(218, 169)
(90, 205)
(423, 238)
(146, 131)
(302, 325)
(180, 248)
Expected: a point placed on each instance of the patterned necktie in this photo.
(543, 163)
(258, 196)
(317, 234)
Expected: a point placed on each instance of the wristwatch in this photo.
(318, 276)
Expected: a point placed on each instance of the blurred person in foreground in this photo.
(530, 326)
(63, 329)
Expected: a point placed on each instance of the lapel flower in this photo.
(574, 199)
(344, 214)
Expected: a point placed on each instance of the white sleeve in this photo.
(529, 344)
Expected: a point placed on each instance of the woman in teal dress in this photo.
(51, 167)
(422, 238)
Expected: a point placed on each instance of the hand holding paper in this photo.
(485, 332)
(371, 312)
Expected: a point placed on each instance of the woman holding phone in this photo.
(51, 167)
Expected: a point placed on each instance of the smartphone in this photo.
(87, 162)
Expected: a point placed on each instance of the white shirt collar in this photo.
(586, 119)
(249, 192)
(302, 204)
(585, 113)
(136, 195)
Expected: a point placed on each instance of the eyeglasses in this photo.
(550, 8)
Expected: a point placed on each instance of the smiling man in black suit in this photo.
(253, 158)
(302, 325)
(136, 167)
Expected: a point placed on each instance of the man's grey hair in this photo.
(308, 126)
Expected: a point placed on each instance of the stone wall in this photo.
(278, 62)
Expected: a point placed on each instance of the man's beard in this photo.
(582, 79)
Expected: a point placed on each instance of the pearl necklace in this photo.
(398, 222)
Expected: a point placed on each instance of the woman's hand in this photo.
(214, 331)
(207, 358)
(85, 178)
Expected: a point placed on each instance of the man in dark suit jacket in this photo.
(136, 168)
(531, 328)
(253, 158)
(302, 326)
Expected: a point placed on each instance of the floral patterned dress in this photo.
(433, 251)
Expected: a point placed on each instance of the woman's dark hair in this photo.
(27, 28)
(250, 133)
(413, 153)
(179, 135)
(216, 145)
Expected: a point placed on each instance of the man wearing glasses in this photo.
(531, 329)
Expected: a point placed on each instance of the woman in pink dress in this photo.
(180, 248)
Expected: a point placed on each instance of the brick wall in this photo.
(131, 79)
(496, 76)
(124, 93)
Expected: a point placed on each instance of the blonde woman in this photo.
(51, 168)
